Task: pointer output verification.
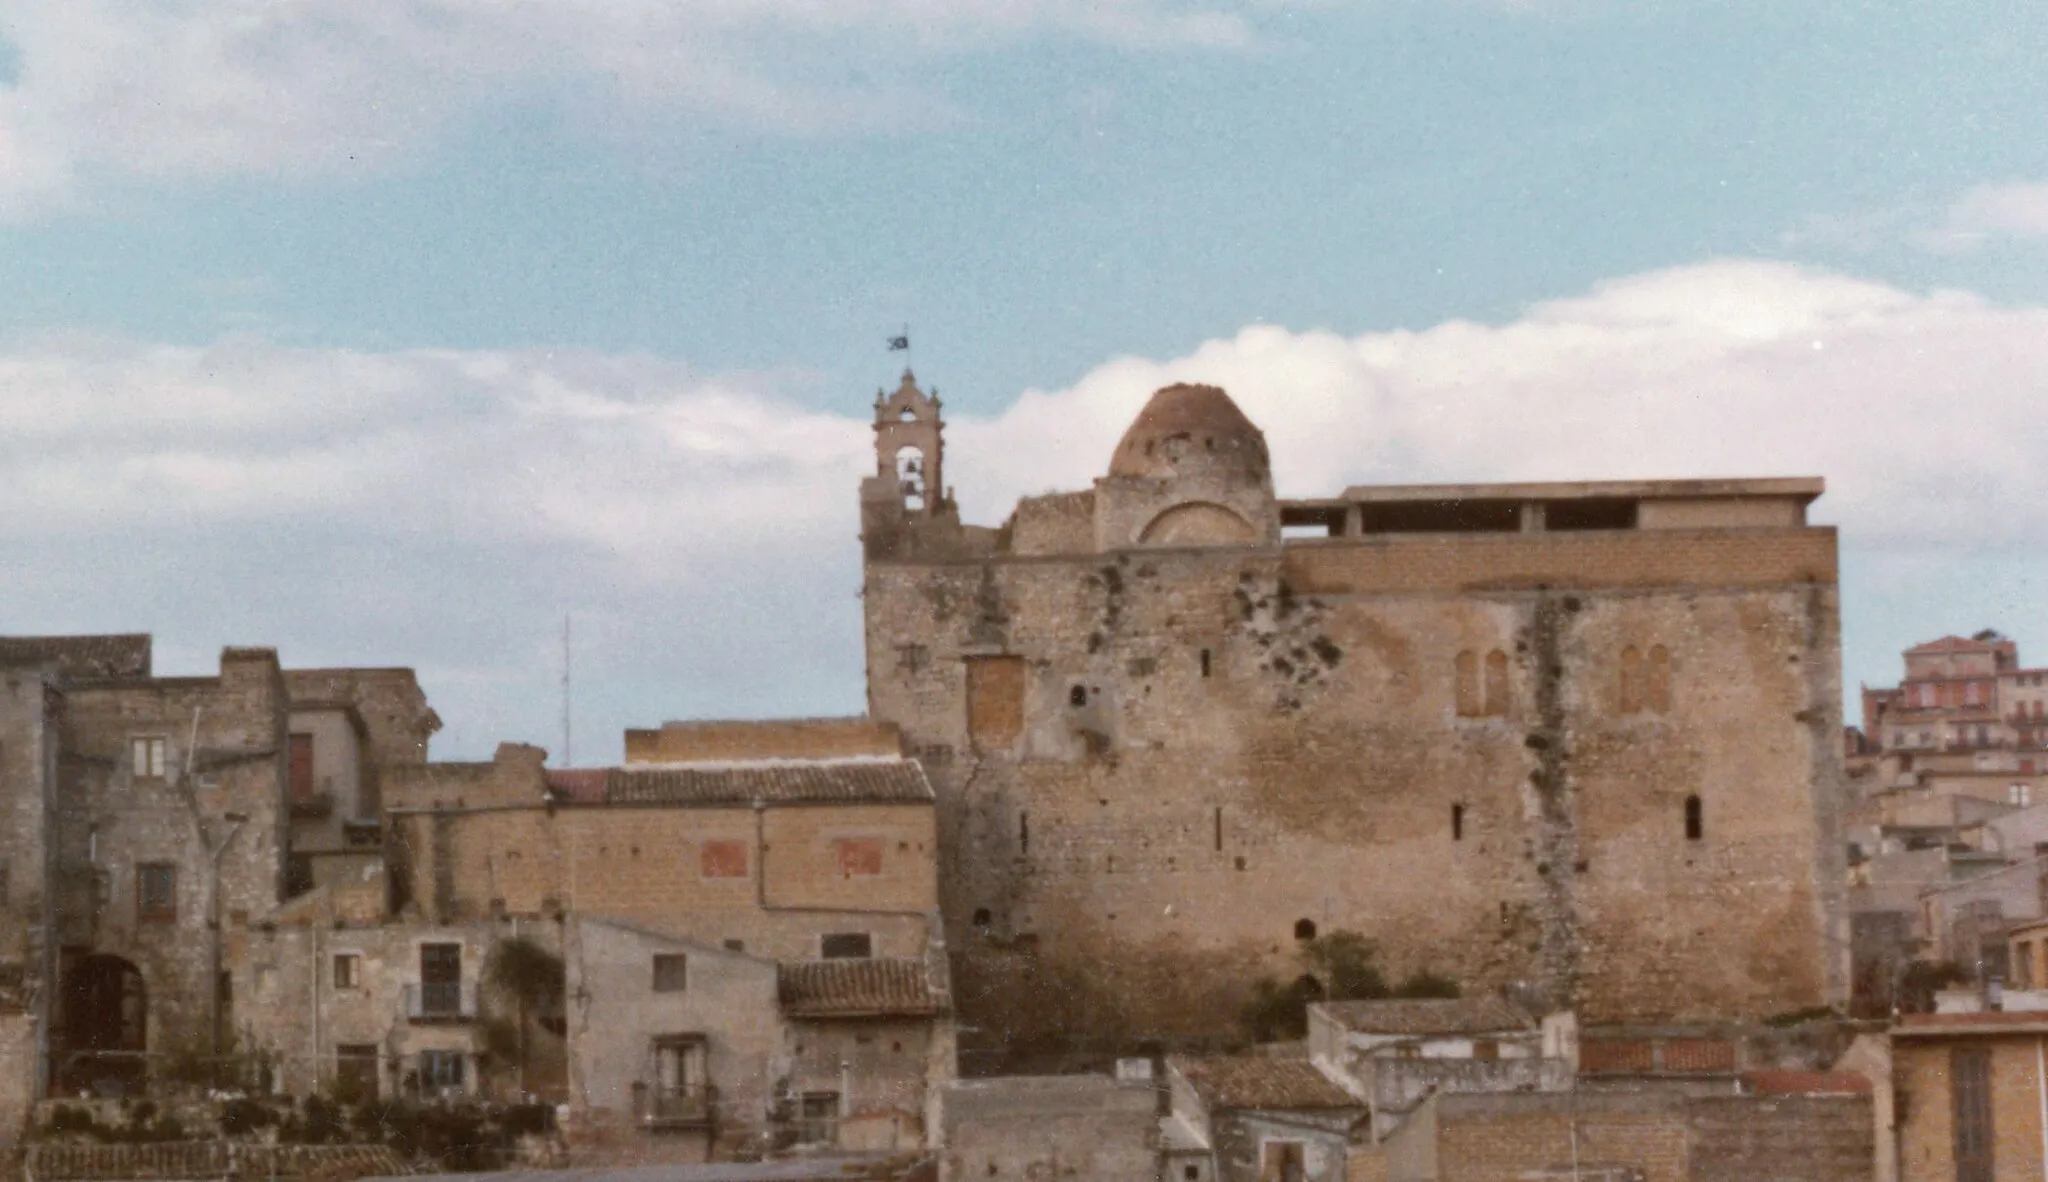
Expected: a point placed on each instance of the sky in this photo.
(395, 332)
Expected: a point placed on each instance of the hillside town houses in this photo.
(1191, 833)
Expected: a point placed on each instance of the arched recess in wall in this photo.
(104, 1006)
(1198, 523)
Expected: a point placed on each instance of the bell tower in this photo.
(907, 496)
(910, 446)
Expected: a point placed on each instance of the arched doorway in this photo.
(103, 1028)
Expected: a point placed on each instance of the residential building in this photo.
(1970, 1088)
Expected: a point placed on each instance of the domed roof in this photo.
(1188, 422)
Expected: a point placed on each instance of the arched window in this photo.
(910, 476)
(1078, 696)
(1657, 689)
(1469, 701)
(1631, 680)
(1304, 929)
(1497, 683)
(1694, 824)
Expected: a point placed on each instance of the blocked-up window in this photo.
(1631, 680)
(724, 859)
(1657, 679)
(995, 700)
(1469, 700)
(156, 892)
(1497, 683)
(671, 972)
(302, 767)
(859, 857)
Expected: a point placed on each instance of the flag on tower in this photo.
(902, 342)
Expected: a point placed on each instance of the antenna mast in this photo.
(568, 749)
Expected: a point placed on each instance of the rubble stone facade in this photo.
(1577, 737)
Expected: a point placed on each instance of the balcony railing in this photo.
(443, 1001)
(672, 1106)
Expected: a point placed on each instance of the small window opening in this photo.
(1693, 825)
(1078, 696)
(1219, 830)
(1304, 929)
(1457, 822)
(1023, 833)
(1192, 1173)
(982, 918)
(1590, 513)
(1205, 662)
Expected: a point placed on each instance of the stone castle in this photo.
(1573, 740)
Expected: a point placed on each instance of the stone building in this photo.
(1969, 1091)
(1583, 737)
(152, 820)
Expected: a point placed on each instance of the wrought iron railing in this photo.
(441, 1001)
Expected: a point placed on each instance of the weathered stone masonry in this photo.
(1166, 739)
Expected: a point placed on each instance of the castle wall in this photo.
(1217, 744)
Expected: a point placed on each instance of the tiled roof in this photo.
(1957, 644)
(834, 781)
(125, 655)
(857, 988)
(172, 1161)
(1420, 1017)
(1252, 1081)
(584, 785)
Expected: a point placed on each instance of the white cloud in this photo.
(182, 89)
(444, 508)
(1991, 213)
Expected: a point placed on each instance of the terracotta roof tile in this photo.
(1412, 1018)
(857, 988)
(1252, 1081)
(584, 785)
(839, 781)
(83, 657)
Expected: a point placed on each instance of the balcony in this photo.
(443, 1001)
(674, 1107)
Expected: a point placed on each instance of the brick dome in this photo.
(1186, 424)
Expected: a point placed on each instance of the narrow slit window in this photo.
(1023, 833)
(1205, 662)
(1694, 825)
(1457, 822)
(1078, 696)
(1219, 829)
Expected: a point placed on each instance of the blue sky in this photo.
(316, 252)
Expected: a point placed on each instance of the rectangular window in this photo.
(440, 979)
(156, 892)
(348, 970)
(146, 756)
(671, 972)
(995, 700)
(724, 859)
(818, 1119)
(847, 946)
(355, 1070)
(440, 1071)
(859, 857)
(302, 768)
(1970, 1084)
